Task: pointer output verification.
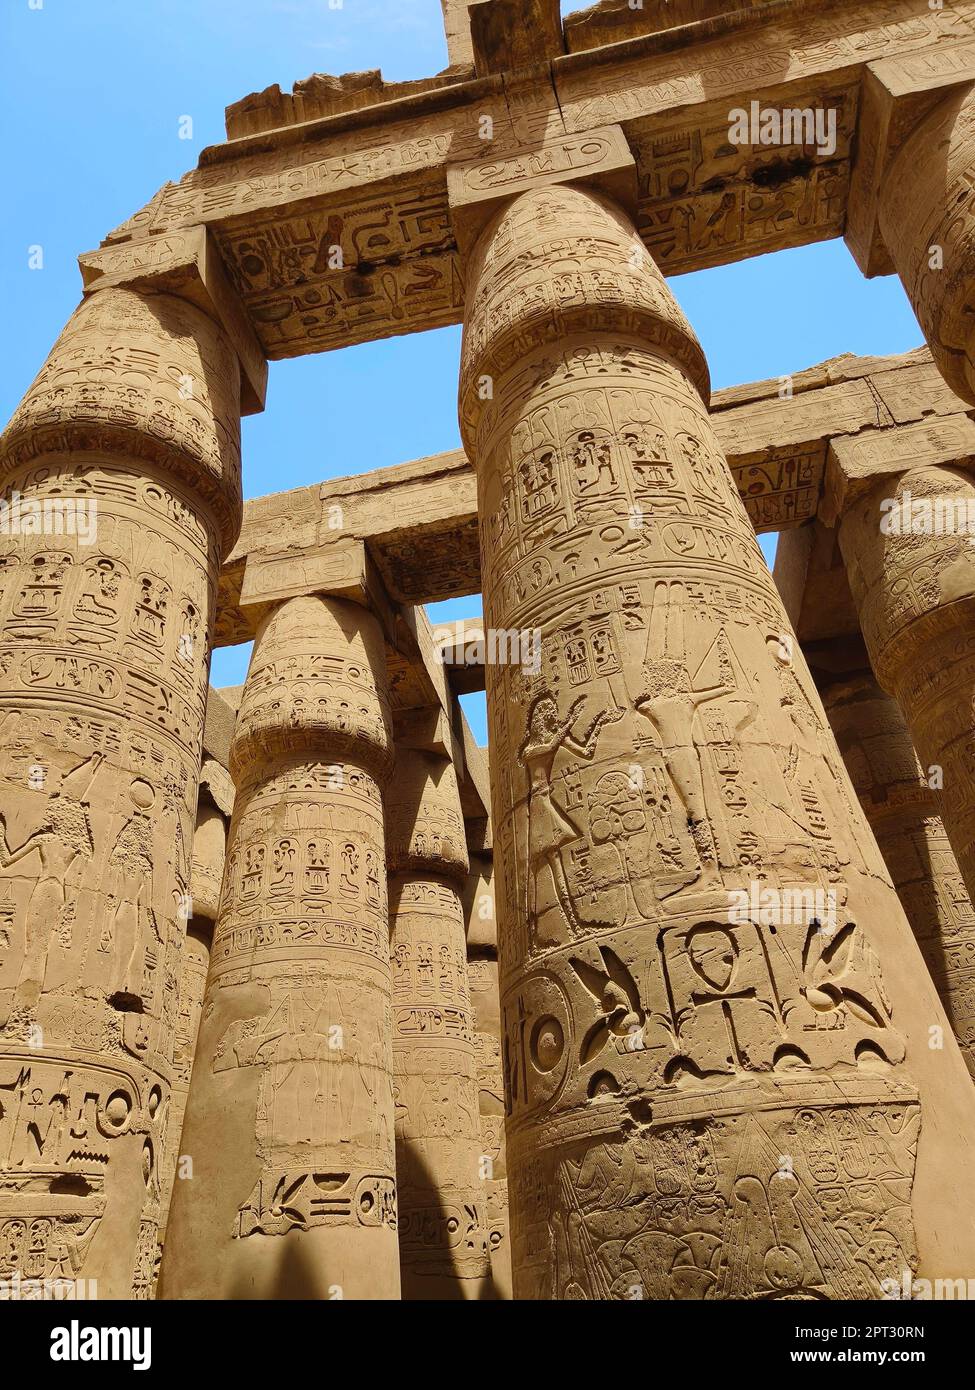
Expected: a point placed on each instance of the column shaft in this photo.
(289, 1121)
(194, 965)
(121, 475)
(443, 1241)
(927, 219)
(914, 586)
(482, 971)
(904, 815)
(707, 995)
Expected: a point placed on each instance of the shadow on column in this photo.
(428, 1243)
(298, 1279)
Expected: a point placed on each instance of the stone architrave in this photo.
(121, 495)
(289, 1121)
(716, 1018)
(904, 816)
(442, 1228)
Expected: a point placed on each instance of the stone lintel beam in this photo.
(428, 730)
(218, 732)
(431, 730)
(856, 464)
(465, 680)
(345, 570)
(462, 647)
(440, 725)
(416, 622)
(416, 648)
(218, 727)
(896, 94)
(341, 570)
(218, 784)
(475, 793)
(598, 158)
(809, 569)
(188, 265)
(420, 695)
(616, 21)
(419, 520)
(321, 96)
(374, 179)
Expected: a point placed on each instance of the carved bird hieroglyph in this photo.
(616, 993)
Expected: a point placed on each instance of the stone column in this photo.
(194, 964)
(209, 856)
(289, 1121)
(715, 1014)
(482, 971)
(927, 217)
(903, 812)
(915, 594)
(209, 853)
(442, 1230)
(121, 478)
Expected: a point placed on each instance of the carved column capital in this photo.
(424, 823)
(599, 278)
(926, 213)
(311, 690)
(141, 376)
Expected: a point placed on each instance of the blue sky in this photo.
(93, 94)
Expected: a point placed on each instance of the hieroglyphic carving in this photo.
(705, 200)
(240, 185)
(131, 426)
(925, 215)
(668, 753)
(443, 1239)
(330, 278)
(482, 972)
(915, 594)
(194, 961)
(660, 1059)
(209, 855)
(809, 45)
(904, 815)
(598, 156)
(290, 1115)
(152, 378)
(783, 488)
(273, 199)
(82, 1139)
